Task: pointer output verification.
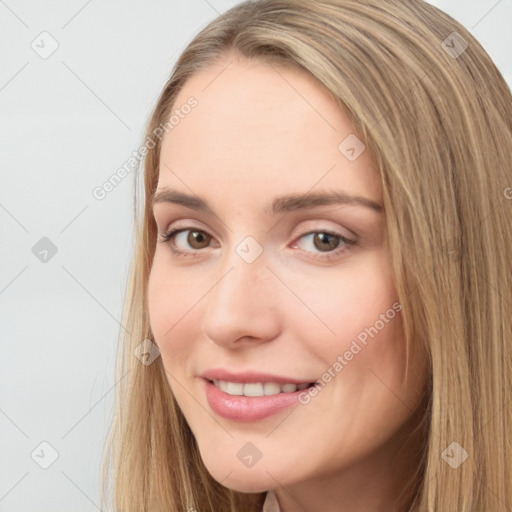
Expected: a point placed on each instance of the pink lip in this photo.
(248, 408)
(249, 376)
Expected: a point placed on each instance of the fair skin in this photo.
(258, 133)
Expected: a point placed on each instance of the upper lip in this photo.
(250, 376)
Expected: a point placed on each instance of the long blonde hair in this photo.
(436, 115)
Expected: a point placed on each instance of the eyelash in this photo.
(168, 239)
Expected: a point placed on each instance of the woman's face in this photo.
(271, 285)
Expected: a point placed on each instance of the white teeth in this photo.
(234, 388)
(270, 388)
(256, 388)
(253, 389)
(289, 388)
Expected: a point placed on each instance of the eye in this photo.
(328, 243)
(197, 239)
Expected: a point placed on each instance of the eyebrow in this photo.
(281, 204)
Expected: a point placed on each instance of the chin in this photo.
(248, 485)
(243, 480)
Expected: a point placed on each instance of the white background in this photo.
(69, 122)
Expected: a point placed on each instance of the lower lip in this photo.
(248, 408)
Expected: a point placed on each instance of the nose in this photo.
(242, 307)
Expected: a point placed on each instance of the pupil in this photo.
(198, 237)
(324, 238)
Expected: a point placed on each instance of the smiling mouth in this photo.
(257, 388)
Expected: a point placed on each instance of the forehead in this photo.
(257, 123)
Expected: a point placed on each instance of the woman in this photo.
(320, 301)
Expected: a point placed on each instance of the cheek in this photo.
(336, 307)
(172, 297)
(352, 302)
